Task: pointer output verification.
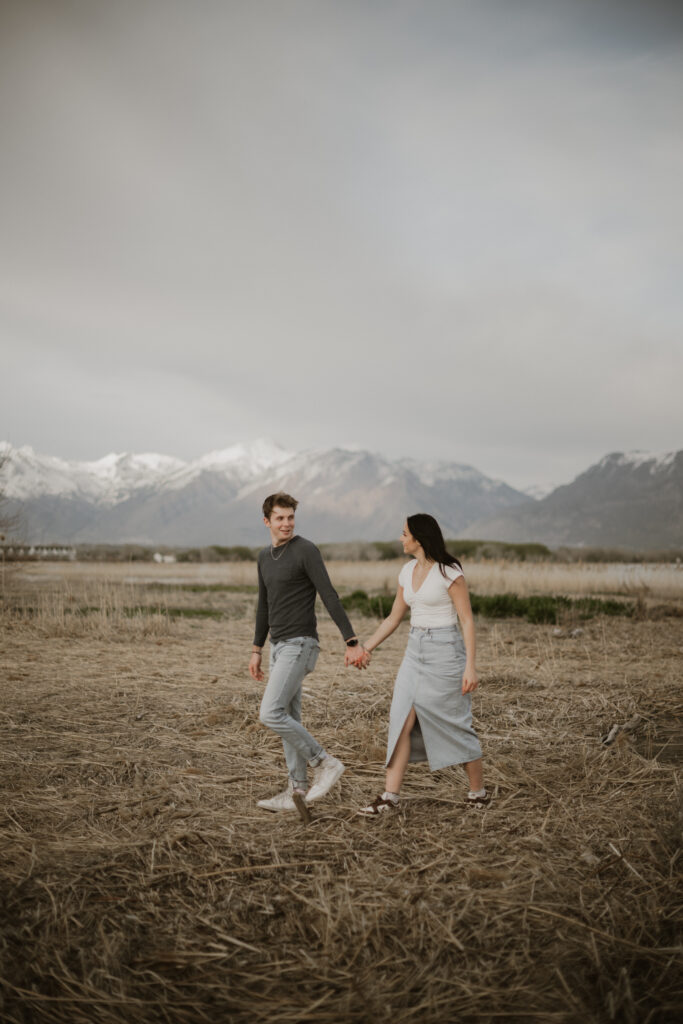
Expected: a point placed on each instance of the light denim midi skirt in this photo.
(430, 680)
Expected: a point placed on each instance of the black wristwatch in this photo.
(352, 643)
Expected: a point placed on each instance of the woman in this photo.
(431, 718)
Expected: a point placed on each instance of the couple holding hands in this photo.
(430, 718)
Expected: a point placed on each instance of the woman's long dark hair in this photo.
(427, 532)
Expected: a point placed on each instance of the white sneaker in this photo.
(282, 802)
(324, 777)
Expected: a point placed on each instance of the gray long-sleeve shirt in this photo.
(287, 585)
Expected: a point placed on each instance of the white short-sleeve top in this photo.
(431, 606)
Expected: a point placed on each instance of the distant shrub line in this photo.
(364, 551)
(478, 549)
(537, 608)
(384, 550)
(218, 553)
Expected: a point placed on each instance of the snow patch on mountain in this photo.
(117, 476)
(538, 491)
(429, 473)
(636, 459)
(121, 474)
(250, 459)
(104, 481)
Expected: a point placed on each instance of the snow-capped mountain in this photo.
(627, 499)
(153, 499)
(632, 499)
(352, 495)
(106, 481)
(116, 477)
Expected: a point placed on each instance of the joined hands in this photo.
(357, 656)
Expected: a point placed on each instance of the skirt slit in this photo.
(417, 727)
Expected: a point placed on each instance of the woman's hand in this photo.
(470, 680)
(357, 656)
(461, 599)
(353, 656)
(365, 660)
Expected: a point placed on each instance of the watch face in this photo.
(351, 643)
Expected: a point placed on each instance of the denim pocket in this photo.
(447, 656)
(296, 643)
(289, 649)
(444, 643)
(312, 658)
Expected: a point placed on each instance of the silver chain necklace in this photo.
(281, 553)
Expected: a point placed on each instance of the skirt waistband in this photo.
(433, 630)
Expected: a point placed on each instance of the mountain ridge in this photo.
(626, 499)
(345, 494)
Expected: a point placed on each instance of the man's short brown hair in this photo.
(281, 499)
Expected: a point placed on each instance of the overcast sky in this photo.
(440, 228)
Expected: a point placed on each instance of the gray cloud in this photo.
(437, 229)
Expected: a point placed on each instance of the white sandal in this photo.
(478, 801)
(378, 806)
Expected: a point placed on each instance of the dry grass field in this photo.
(140, 883)
(487, 577)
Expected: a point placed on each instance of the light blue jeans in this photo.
(290, 663)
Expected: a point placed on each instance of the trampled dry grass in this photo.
(141, 883)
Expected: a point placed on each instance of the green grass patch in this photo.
(130, 611)
(174, 613)
(538, 608)
(206, 588)
(546, 608)
(195, 613)
(379, 605)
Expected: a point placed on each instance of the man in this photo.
(290, 573)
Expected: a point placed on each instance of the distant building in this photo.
(32, 552)
(166, 559)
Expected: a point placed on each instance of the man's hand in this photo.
(255, 667)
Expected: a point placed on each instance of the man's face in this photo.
(280, 524)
